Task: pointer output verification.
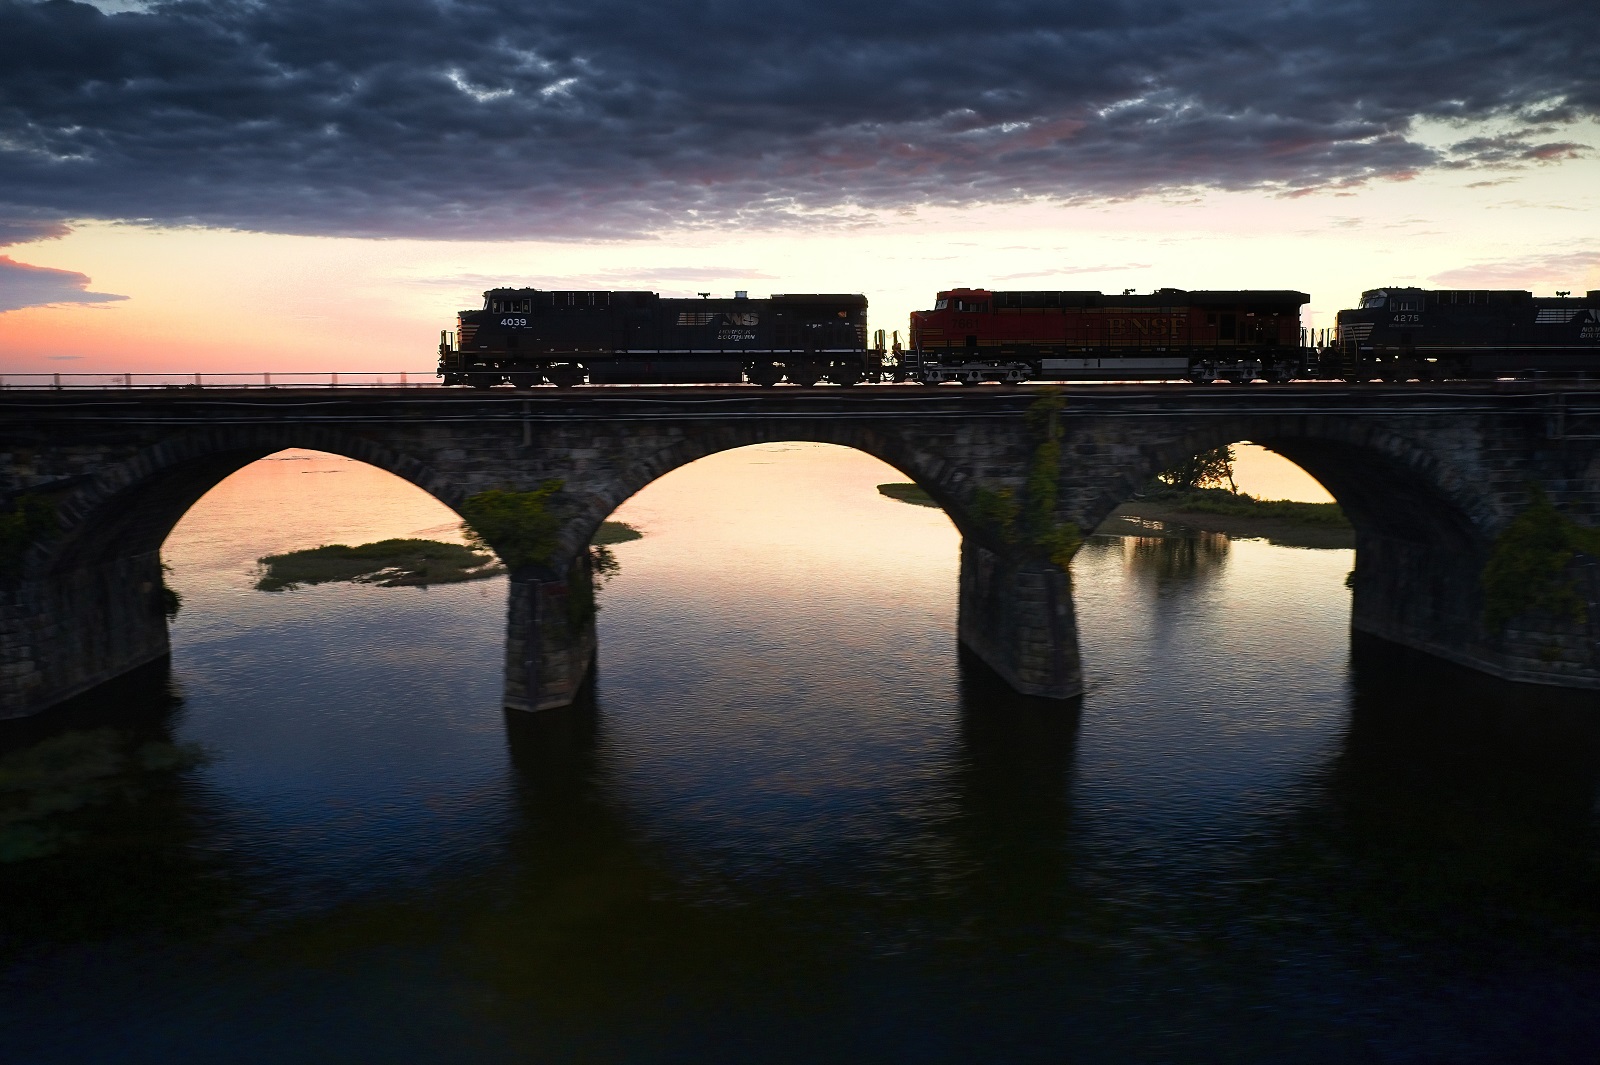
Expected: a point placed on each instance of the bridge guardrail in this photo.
(262, 379)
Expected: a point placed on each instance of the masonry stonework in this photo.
(1428, 478)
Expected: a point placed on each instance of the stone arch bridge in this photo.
(1428, 477)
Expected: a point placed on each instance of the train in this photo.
(978, 335)
(526, 337)
(1448, 334)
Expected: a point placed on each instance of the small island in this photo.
(399, 563)
(906, 492)
(1160, 510)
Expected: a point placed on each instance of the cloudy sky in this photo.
(282, 184)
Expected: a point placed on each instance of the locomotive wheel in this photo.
(565, 376)
(844, 376)
(765, 374)
(524, 380)
(805, 374)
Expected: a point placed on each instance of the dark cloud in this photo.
(592, 118)
(22, 286)
(26, 230)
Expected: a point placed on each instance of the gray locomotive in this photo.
(1405, 333)
(527, 336)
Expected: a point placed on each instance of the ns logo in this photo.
(1589, 326)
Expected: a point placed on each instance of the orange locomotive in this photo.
(977, 335)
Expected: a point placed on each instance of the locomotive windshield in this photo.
(1373, 300)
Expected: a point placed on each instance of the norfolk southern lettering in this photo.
(527, 337)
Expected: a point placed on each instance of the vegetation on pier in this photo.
(1529, 565)
(28, 519)
(521, 527)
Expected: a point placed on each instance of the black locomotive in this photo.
(1405, 333)
(528, 336)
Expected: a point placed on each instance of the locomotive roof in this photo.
(788, 297)
(1500, 295)
(1160, 297)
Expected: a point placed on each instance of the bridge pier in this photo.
(1430, 599)
(1016, 615)
(550, 639)
(63, 633)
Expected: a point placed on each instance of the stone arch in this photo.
(646, 466)
(87, 605)
(1387, 482)
(128, 507)
(1423, 523)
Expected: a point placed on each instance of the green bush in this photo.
(520, 527)
(1527, 566)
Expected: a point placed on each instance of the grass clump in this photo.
(387, 563)
(907, 492)
(47, 790)
(1222, 501)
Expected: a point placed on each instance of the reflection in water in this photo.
(1164, 559)
(133, 865)
(790, 822)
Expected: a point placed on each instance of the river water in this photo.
(793, 823)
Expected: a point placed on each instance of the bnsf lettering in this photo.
(1147, 326)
